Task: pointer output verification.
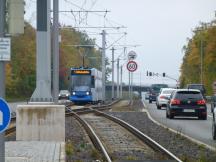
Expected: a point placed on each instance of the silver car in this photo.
(163, 97)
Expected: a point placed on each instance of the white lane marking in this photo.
(173, 130)
(210, 116)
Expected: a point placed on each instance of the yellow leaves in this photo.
(190, 68)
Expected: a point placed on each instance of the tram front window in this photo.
(81, 82)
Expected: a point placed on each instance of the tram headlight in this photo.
(87, 93)
(74, 93)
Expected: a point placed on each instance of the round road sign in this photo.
(131, 66)
(5, 115)
(132, 55)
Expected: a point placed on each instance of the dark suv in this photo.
(197, 86)
(186, 102)
(213, 110)
(154, 91)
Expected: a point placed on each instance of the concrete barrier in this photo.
(40, 123)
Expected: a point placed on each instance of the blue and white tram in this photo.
(85, 85)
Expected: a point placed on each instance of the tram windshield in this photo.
(81, 82)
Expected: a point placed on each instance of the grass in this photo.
(95, 154)
(69, 149)
(16, 99)
(131, 158)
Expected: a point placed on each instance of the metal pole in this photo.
(118, 78)
(113, 73)
(103, 63)
(2, 75)
(201, 61)
(129, 85)
(121, 84)
(131, 95)
(55, 50)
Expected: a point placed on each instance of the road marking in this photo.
(210, 116)
(173, 130)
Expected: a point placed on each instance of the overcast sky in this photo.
(161, 28)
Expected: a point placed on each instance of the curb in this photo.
(62, 157)
(174, 131)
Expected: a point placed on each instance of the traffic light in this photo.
(164, 74)
(150, 73)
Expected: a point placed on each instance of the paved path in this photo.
(28, 151)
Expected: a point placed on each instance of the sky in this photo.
(159, 29)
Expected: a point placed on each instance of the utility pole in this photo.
(103, 64)
(55, 50)
(118, 78)
(121, 84)
(2, 75)
(42, 92)
(113, 90)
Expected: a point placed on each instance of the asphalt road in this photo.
(191, 126)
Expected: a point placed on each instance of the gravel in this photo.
(78, 145)
(180, 146)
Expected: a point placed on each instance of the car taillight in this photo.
(175, 102)
(162, 97)
(201, 102)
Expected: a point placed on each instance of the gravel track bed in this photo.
(180, 146)
(120, 144)
(11, 137)
(78, 145)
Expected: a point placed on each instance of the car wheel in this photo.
(167, 115)
(150, 101)
(158, 107)
(171, 116)
(213, 130)
(203, 117)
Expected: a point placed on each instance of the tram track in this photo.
(85, 109)
(147, 147)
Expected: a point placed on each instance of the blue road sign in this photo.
(5, 115)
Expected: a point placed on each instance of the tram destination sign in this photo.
(5, 49)
(80, 72)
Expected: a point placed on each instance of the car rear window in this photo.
(188, 95)
(200, 87)
(167, 91)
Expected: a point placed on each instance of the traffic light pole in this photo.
(2, 75)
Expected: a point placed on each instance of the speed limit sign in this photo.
(131, 66)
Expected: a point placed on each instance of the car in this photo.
(200, 87)
(146, 95)
(64, 94)
(213, 110)
(154, 91)
(186, 102)
(213, 103)
(214, 125)
(163, 97)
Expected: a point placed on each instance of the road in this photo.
(191, 126)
